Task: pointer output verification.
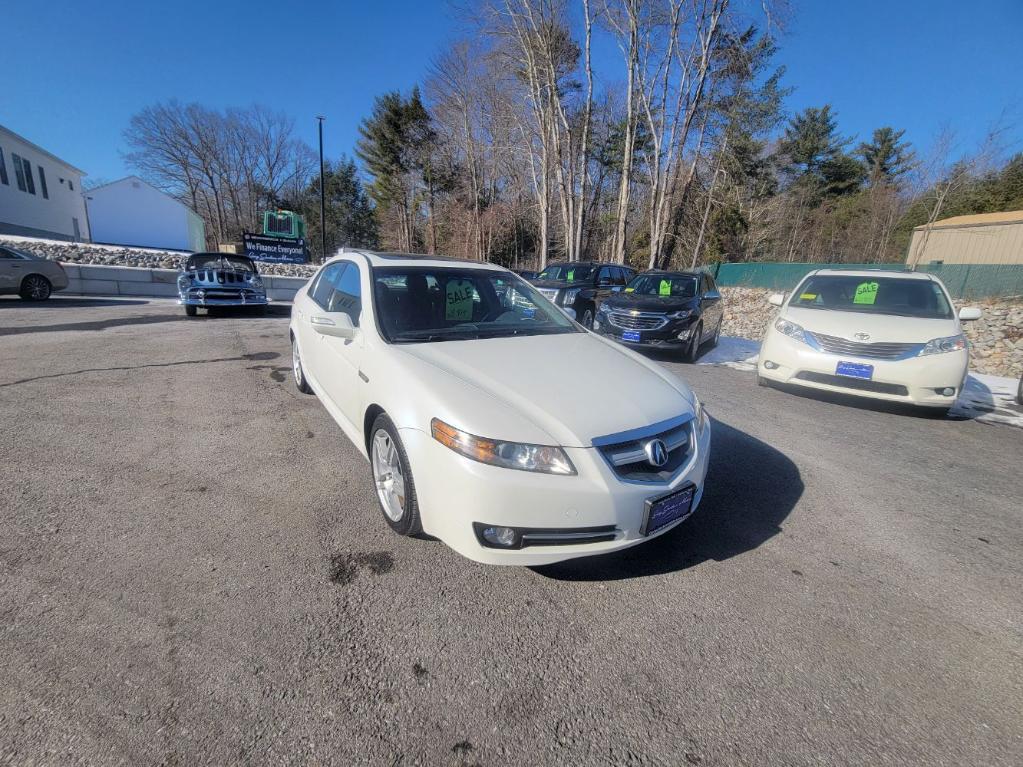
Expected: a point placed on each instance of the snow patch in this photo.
(731, 352)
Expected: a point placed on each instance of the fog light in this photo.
(500, 536)
(948, 391)
(770, 365)
(596, 324)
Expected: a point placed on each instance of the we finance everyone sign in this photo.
(277, 250)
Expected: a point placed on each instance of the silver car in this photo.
(212, 280)
(31, 277)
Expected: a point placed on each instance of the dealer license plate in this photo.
(662, 511)
(854, 370)
(630, 335)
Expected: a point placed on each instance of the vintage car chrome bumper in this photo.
(223, 297)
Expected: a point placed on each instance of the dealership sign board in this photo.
(278, 250)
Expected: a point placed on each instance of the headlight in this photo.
(790, 329)
(681, 314)
(568, 297)
(942, 345)
(509, 455)
(701, 414)
(257, 281)
(603, 309)
(184, 281)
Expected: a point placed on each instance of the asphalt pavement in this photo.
(194, 570)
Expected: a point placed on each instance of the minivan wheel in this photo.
(392, 477)
(35, 287)
(296, 365)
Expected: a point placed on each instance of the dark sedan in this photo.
(679, 311)
(582, 285)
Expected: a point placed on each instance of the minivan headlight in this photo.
(790, 329)
(508, 455)
(943, 345)
(568, 297)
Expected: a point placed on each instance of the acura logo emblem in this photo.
(862, 336)
(656, 453)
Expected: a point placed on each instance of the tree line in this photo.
(517, 149)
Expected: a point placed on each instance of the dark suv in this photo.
(582, 285)
(664, 310)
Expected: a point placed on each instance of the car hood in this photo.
(881, 328)
(573, 387)
(646, 303)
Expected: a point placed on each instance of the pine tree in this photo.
(887, 157)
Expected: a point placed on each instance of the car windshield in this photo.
(220, 261)
(567, 272)
(421, 304)
(902, 297)
(675, 285)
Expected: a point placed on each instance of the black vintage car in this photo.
(582, 285)
(664, 310)
(220, 279)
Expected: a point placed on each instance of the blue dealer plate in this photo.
(854, 370)
(630, 335)
(662, 511)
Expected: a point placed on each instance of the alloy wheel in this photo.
(388, 476)
(37, 288)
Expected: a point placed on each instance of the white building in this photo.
(132, 212)
(40, 194)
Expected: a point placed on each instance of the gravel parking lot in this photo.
(193, 569)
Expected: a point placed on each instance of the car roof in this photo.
(375, 258)
(875, 273)
(677, 273)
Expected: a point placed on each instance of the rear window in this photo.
(901, 297)
(567, 272)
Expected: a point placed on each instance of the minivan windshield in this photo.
(898, 296)
(674, 285)
(422, 304)
(567, 272)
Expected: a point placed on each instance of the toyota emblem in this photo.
(862, 336)
(656, 453)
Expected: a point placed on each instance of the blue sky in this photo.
(72, 73)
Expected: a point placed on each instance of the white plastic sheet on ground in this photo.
(986, 398)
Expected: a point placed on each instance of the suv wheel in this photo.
(587, 319)
(692, 349)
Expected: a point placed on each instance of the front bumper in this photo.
(675, 335)
(455, 492)
(915, 381)
(242, 298)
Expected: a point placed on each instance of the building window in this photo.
(3, 169)
(70, 185)
(23, 172)
(42, 183)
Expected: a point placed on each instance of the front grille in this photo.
(550, 294)
(637, 320)
(874, 351)
(627, 457)
(859, 384)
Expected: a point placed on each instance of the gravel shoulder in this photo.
(193, 570)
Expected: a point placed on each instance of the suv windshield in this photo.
(676, 285)
(897, 296)
(567, 272)
(419, 304)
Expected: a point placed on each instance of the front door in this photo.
(10, 271)
(339, 358)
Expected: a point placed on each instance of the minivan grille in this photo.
(637, 320)
(876, 351)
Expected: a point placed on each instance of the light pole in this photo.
(323, 205)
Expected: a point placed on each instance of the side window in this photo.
(4, 255)
(618, 275)
(19, 172)
(604, 275)
(42, 183)
(347, 294)
(711, 285)
(324, 285)
(3, 169)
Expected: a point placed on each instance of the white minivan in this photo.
(883, 334)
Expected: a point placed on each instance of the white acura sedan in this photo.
(882, 334)
(490, 419)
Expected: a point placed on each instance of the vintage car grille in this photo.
(637, 320)
(224, 278)
(628, 458)
(874, 351)
(551, 294)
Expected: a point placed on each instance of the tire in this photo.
(191, 311)
(387, 457)
(296, 368)
(587, 319)
(35, 287)
(717, 334)
(692, 350)
(761, 381)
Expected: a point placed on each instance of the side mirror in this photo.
(970, 313)
(776, 299)
(617, 289)
(336, 324)
(569, 312)
(712, 295)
